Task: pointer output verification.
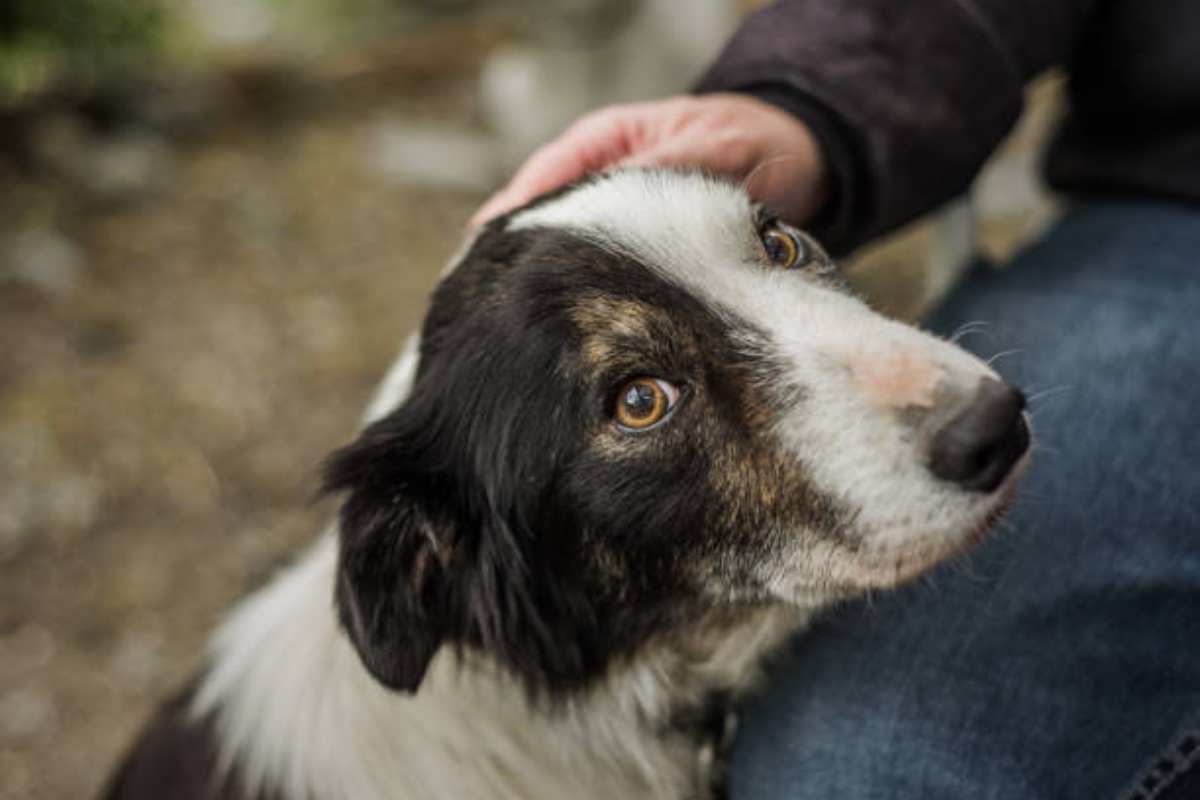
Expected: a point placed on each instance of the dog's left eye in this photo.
(643, 403)
(784, 247)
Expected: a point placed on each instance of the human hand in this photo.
(735, 136)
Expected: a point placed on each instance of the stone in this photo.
(42, 259)
(422, 155)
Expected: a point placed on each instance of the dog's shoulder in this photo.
(176, 757)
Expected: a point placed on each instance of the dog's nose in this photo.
(979, 446)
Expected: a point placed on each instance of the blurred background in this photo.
(218, 220)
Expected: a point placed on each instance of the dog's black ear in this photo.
(394, 552)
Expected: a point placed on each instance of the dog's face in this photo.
(640, 403)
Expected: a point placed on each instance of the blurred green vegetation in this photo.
(41, 39)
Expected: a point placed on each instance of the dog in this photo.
(644, 434)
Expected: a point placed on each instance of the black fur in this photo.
(176, 758)
(483, 513)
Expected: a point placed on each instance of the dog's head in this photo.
(641, 401)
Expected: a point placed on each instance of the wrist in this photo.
(839, 181)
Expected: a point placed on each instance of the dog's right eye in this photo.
(784, 247)
(643, 403)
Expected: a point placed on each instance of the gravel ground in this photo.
(172, 371)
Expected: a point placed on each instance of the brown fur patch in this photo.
(608, 324)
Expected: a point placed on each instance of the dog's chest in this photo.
(292, 708)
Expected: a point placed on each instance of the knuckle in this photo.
(606, 117)
(736, 146)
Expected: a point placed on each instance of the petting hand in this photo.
(735, 136)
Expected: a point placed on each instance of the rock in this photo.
(233, 23)
(114, 168)
(586, 54)
(137, 658)
(42, 259)
(27, 714)
(416, 154)
(70, 506)
(530, 94)
(125, 168)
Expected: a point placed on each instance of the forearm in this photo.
(907, 99)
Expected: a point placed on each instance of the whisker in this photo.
(1047, 393)
(1002, 354)
(968, 329)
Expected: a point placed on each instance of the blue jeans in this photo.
(1064, 660)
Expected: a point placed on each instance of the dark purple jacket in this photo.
(909, 97)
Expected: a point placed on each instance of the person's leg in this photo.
(1064, 658)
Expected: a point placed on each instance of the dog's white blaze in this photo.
(853, 367)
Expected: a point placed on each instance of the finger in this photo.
(494, 206)
(552, 166)
(785, 181)
(684, 154)
(590, 145)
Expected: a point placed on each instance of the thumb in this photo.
(592, 144)
(548, 168)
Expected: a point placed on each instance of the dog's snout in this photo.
(981, 443)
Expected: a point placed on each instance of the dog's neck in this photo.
(296, 713)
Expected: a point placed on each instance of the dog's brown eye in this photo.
(783, 247)
(645, 402)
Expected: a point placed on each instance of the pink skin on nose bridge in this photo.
(896, 378)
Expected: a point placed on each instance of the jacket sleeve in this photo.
(907, 98)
